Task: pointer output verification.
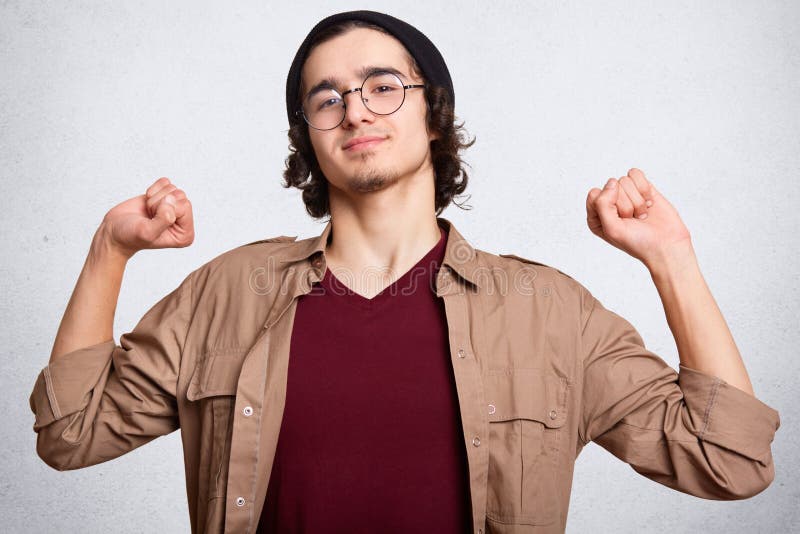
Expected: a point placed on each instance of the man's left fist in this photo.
(633, 216)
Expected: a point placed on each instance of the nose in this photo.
(355, 110)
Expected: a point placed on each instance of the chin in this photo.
(372, 179)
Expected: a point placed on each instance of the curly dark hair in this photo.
(303, 171)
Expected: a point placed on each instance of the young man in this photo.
(385, 375)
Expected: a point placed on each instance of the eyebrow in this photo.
(332, 82)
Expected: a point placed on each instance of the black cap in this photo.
(427, 56)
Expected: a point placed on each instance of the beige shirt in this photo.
(541, 369)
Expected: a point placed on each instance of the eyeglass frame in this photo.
(301, 113)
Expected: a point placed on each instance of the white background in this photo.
(99, 99)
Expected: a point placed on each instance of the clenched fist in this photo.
(632, 215)
(160, 218)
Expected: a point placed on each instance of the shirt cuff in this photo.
(725, 415)
(63, 387)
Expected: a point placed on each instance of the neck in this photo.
(378, 236)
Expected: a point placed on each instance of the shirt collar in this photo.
(459, 255)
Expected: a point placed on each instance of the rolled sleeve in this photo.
(727, 416)
(689, 431)
(62, 388)
(96, 403)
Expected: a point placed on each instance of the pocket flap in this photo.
(216, 373)
(526, 394)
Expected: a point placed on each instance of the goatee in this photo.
(370, 180)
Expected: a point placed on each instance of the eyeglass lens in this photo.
(382, 93)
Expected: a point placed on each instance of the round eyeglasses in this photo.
(382, 93)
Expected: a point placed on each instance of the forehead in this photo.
(344, 55)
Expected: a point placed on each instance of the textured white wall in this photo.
(98, 99)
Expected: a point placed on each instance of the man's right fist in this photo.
(161, 218)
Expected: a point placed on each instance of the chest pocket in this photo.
(527, 410)
(213, 387)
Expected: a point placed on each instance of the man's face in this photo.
(403, 147)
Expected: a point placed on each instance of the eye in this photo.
(383, 84)
(328, 103)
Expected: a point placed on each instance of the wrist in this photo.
(105, 249)
(671, 260)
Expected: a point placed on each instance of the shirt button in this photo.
(476, 441)
(553, 414)
(240, 501)
(461, 353)
(491, 409)
(247, 411)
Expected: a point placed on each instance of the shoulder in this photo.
(254, 251)
(244, 260)
(518, 267)
(515, 262)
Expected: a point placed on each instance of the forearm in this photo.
(89, 317)
(701, 334)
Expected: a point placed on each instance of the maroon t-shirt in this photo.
(371, 437)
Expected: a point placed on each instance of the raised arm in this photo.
(700, 430)
(97, 400)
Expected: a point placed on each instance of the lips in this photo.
(362, 142)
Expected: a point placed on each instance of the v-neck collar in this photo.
(424, 271)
